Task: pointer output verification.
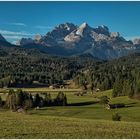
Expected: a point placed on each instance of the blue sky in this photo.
(25, 19)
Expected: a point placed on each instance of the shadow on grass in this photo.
(82, 103)
(130, 104)
(47, 108)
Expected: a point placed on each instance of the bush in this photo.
(104, 100)
(28, 104)
(116, 117)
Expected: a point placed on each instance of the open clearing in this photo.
(82, 118)
(40, 90)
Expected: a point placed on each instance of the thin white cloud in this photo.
(15, 36)
(43, 27)
(12, 37)
(22, 33)
(17, 24)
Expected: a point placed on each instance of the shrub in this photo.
(28, 104)
(104, 100)
(116, 117)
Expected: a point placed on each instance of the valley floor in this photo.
(82, 118)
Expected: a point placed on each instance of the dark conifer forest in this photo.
(20, 68)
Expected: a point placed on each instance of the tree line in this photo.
(20, 99)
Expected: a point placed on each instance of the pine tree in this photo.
(20, 97)
(37, 100)
(118, 87)
(48, 100)
(11, 100)
(61, 99)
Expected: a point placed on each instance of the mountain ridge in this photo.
(69, 39)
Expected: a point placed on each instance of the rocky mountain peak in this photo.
(66, 26)
(71, 39)
(115, 34)
(103, 27)
(59, 32)
(102, 30)
(25, 41)
(84, 25)
(37, 37)
(136, 41)
(84, 28)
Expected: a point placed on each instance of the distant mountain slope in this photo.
(69, 39)
(4, 42)
(8, 49)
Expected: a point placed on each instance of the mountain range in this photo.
(68, 39)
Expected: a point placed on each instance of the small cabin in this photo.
(51, 87)
(20, 110)
(37, 108)
(96, 89)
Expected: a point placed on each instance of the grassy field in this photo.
(40, 90)
(82, 118)
(35, 126)
(86, 107)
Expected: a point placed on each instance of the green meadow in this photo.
(83, 117)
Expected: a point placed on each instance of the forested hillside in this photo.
(121, 74)
(21, 68)
(26, 68)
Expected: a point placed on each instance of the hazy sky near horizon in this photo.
(25, 19)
